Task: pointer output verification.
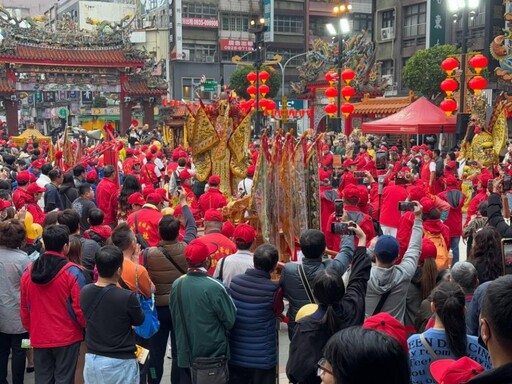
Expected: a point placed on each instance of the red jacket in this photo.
(391, 195)
(148, 174)
(327, 197)
(475, 202)
(20, 198)
(107, 193)
(36, 211)
(225, 247)
(148, 218)
(326, 160)
(50, 309)
(333, 241)
(128, 165)
(456, 199)
(213, 198)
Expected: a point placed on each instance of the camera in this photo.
(406, 206)
(342, 228)
(338, 207)
(380, 160)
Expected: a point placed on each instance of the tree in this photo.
(423, 74)
(239, 83)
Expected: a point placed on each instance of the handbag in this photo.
(151, 323)
(203, 370)
(140, 239)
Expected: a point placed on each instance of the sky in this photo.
(37, 7)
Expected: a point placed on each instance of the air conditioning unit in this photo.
(147, 24)
(209, 59)
(388, 78)
(13, 98)
(185, 54)
(387, 33)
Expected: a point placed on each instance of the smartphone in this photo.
(506, 253)
(359, 174)
(406, 206)
(338, 207)
(490, 185)
(381, 160)
(178, 182)
(341, 228)
(507, 183)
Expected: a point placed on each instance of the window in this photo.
(191, 88)
(199, 11)
(317, 26)
(200, 52)
(415, 20)
(288, 24)
(386, 67)
(362, 21)
(388, 19)
(235, 23)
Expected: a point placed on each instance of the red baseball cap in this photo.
(428, 153)
(154, 198)
(244, 233)
(149, 156)
(177, 210)
(416, 192)
(350, 192)
(484, 179)
(185, 174)
(251, 170)
(212, 215)
(427, 204)
(451, 181)
(386, 323)
(163, 193)
(228, 228)
(451, 164)
(136, 199)
(25, 176)
(4, 204)
(214, 180)
(91, 176)
(394, 148)
(447, 371)
(428, 250)
(148, 190)
(198, 251)
(37, 163)
(35, 188)
(424, 146)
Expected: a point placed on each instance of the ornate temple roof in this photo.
(143, 88)
(382, 105)
(40, 55)
(6, 87)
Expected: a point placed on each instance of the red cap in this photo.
(4, 204)
(212, 215)
(351, 192)
(153, 149)
(149, 156)
(144, 148)
(91, 176)
(394, 148)
(228, 228)
(383, 148)
(163, 193)
(214, 180)
(25, 176)
(185, 174)
(35, 188)
(182, 154)
(154, 198)
(175, 155)
(198, 251)
(251, 170)
(427, 204)
(349, 162)
(447, 371)
(451, 164)
(451, 181)
(429, 154)
(37, 163)
(386, 323)
(177, 210)
(424, 146)
(323, 175)
(416, 192)
(148, 190)
(484, 179)
(136, 199)
(428, 250)
(130, 151)
(325, 147)
(244, 233)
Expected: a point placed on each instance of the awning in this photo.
(421, 117)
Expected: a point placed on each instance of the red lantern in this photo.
(331, 92)
(251, 90)
(449, 65)
(330, 109)
(478, 62)
(171, 103)
(264, 89)
(347, 109)
(449, 86)
(177, 103)
(347, 92)
(477, 83)
(264, 76)
(263, 104)
(164, 102)
(271, 105)
(348, 75)
(251, 77)
(448, 106)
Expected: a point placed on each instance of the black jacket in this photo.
(311, 335)
(501, 375)
(495, 216)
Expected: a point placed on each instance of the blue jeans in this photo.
(107, 370)
(454, 246)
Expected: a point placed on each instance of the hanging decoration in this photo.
(347, 92)
(449, 85)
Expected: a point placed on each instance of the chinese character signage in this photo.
(236, 45)
(436, 22)
(268, 15)
(204, 23)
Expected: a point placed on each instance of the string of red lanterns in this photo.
(347, 92)
(265, 105)
(478, 63)
(170, 103)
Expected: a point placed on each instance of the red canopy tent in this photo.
(421, 117)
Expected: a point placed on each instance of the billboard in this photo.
(268, 15)
(436, 22)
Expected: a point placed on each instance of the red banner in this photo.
(236, 45)
(195, 22)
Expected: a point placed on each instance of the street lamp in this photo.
(341, 10)
(258, 27)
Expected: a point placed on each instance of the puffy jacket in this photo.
(495, 216)
(354, 214)
(20, 197)
(391, 196)
(253, 341)
(454, 220)
(50, 301)
(148, 219)
(107, 193)
(213, 198)
(291, 283)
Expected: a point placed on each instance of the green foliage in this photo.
(238, 81)
(423, 74)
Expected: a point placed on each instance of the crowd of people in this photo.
(106, 267)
